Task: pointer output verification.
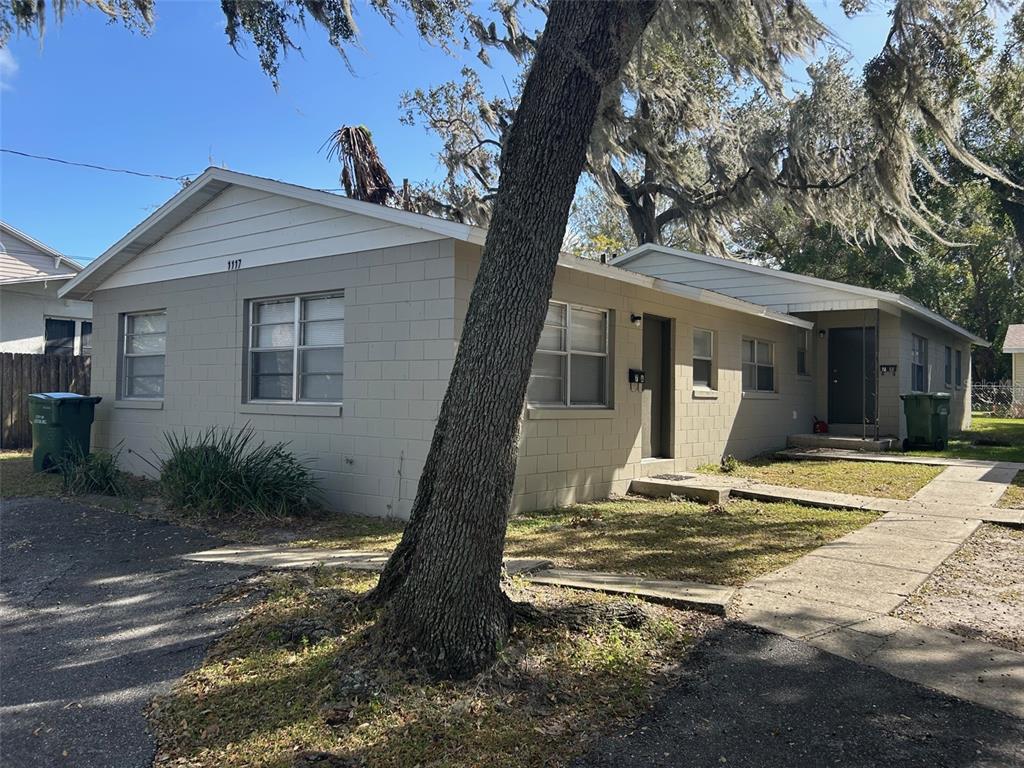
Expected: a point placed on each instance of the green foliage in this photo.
(96, 472)
(225, 472)
(729, 464)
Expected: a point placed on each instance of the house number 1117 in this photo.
(234, 264)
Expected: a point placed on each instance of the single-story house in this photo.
(33, 320)
(867, 348)
(333, 324)
(1013, 345)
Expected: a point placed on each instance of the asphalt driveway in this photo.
(97, 616)
(750, 699)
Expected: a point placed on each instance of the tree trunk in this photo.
(441, 589)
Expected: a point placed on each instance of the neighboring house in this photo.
(1013, 345)
(33, 319)
(867, 347)
(333, 324)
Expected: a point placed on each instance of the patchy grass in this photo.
(864, 478)
(296, 684)
(684, 540)
(18, 479)
(978, 592)
(988, 439)
(1014, 496)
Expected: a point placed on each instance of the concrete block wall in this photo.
(889, 343)
(570, 455)
(399, 320)
(938, 339)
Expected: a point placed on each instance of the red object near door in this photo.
(820, 427)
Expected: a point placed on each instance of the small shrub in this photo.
(220, 472)
(729, 464)
(96, 472)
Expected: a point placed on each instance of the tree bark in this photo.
(441, 589)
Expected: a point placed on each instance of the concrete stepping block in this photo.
(661, 488)
(285, 557)
(707, 597)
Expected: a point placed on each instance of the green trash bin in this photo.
(59, 420)
(927, 420)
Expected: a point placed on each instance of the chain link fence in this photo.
(1002, 400)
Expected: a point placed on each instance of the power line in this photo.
(94, 167)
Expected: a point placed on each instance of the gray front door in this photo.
(656, 406)
(851, 381)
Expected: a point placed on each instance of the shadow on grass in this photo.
(686, 541)
(581, 665)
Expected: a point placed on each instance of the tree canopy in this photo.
(695, 142)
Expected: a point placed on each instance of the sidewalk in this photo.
(838, 597)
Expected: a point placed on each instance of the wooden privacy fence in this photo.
(21, 375)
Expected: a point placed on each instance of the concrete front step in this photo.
(843, 442)
(712, 598)
(694, 487)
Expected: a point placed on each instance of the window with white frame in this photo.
(803, 343)
(959, 369)
(948, 367)
(703, 359)
(919, 364)
(570, 366)
(758, 365)
(297, 348)
(142, 355)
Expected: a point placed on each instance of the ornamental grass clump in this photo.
(83, 472)
(221, 472)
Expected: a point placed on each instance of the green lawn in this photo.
(18, 479)
(688, 541)
(989, 439)
(864, 478)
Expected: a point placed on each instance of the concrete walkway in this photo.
(713, 598)
(835, 454)
(838, 597)
(968, 491)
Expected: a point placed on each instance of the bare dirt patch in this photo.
(978, 592)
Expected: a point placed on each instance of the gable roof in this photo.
(1014, 341)
(214, 181)
(211, 183)
(23, 259)
(827, 288)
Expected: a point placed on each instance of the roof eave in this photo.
(893, 298)
(36, 244)
(95, 273)
(682, 290)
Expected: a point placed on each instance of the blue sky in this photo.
(180, 99)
